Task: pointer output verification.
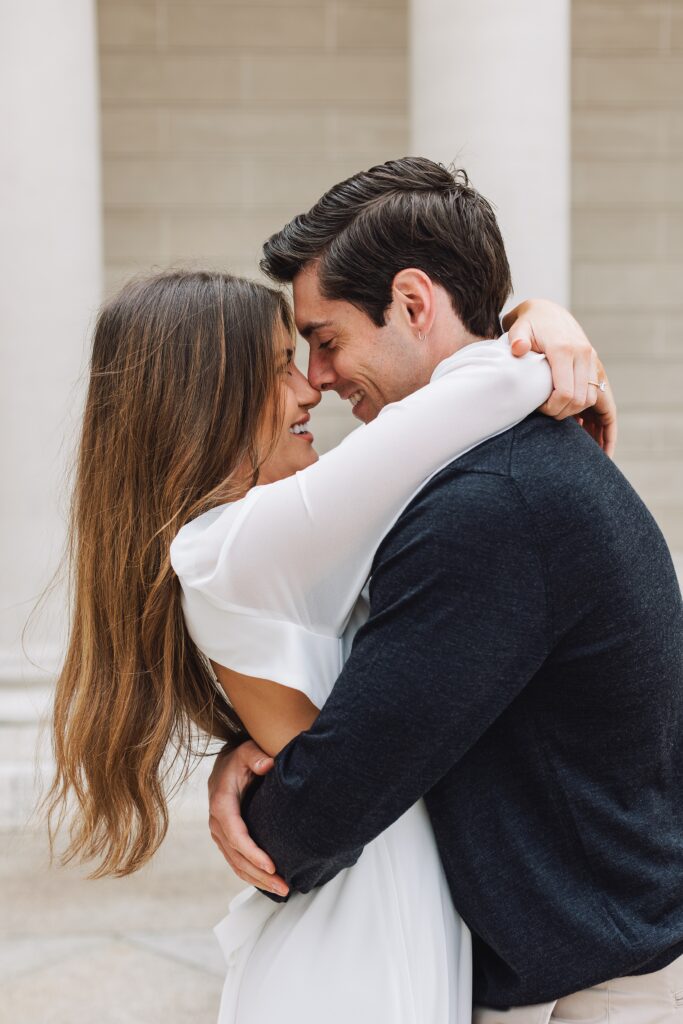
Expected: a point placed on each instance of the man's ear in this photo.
(414, 300)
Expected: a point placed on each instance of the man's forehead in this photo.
(311, 309)
(306, 286)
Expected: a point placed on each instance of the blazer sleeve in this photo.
(458, 627)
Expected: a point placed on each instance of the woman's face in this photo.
(294, 447)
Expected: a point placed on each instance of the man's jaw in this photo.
(356, 397)
(361, 406)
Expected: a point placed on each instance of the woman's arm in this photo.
(272, 714)
(540, 325)
(305, 548)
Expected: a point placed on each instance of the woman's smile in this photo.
(300, 430)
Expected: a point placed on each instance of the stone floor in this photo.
(138, 950)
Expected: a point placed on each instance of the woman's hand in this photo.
(544, 326)
(600, 419)
(232, 773)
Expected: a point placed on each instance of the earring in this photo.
(421, 336)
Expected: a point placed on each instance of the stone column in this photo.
(50, 279)
(490, 91)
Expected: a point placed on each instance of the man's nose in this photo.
(321, 374)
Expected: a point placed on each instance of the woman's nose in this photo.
(314, 396)
(307, 395)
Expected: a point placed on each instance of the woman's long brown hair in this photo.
(183, 373)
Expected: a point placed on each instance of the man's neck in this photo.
(449, 340)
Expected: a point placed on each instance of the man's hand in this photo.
(546, 327)
(231, 775)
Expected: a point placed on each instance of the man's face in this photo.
(367, 365)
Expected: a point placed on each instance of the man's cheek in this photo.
(345, 369)
(337, 364)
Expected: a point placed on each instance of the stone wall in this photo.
(628, 229)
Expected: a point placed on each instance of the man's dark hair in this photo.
(404, 213)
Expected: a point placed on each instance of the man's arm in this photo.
(458, 627)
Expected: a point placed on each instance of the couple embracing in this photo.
(445, 657)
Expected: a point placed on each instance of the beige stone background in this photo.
(627, 248)
(220, 120)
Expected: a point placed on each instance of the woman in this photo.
(194, 405)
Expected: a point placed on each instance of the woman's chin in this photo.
(302, 460)
(309, 458)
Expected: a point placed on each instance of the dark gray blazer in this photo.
(522, 670)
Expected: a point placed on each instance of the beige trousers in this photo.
(642, 999)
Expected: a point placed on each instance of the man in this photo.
(521, 667)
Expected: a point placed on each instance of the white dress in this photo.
(273, 587)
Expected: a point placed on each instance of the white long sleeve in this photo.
(299, 551)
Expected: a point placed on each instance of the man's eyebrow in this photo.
(314, 325)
